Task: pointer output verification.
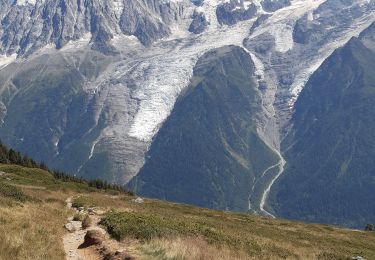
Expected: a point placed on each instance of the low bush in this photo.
(143, 226)
(369, 227)
(78, 202)
(12, 192)
(79, 217)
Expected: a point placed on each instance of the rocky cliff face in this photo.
(86, 85)
(27, 26)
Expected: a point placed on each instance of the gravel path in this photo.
(72, 240)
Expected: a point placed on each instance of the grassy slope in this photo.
(158, 230)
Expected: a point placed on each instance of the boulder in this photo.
(92, 237)
(70, 227)
(139, 200)
(199, 23)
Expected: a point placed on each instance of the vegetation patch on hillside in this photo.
(145, 227)
(10, 191)
(152, 229)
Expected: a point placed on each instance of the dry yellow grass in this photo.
(32, 231)
(244, 236)
(186, 248)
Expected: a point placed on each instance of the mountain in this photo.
(100, 89)
(211, 136)
(329, 174)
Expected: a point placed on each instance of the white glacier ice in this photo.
(6, 60)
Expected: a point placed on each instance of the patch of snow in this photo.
(119, 7)
(93, 148)
(6, 60)
(310, 16)
(259, 66)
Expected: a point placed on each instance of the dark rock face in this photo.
(140, 22)
(234, 11)
(197, 2)
(215, 164)
(259, 21)
(199, 23)
(274, 5)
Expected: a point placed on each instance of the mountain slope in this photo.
(33, 212)
(329, 175)
(208, 152)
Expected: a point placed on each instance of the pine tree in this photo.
(27, 162)
(369, 227)
(14, 157)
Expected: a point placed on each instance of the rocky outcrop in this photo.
(30, 26)
(274, 5)
(235, 11)
(199, 23)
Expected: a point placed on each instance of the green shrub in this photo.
(79, 217)
(145, 226)
(12, 192)
(369, 227)
(78, 202)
